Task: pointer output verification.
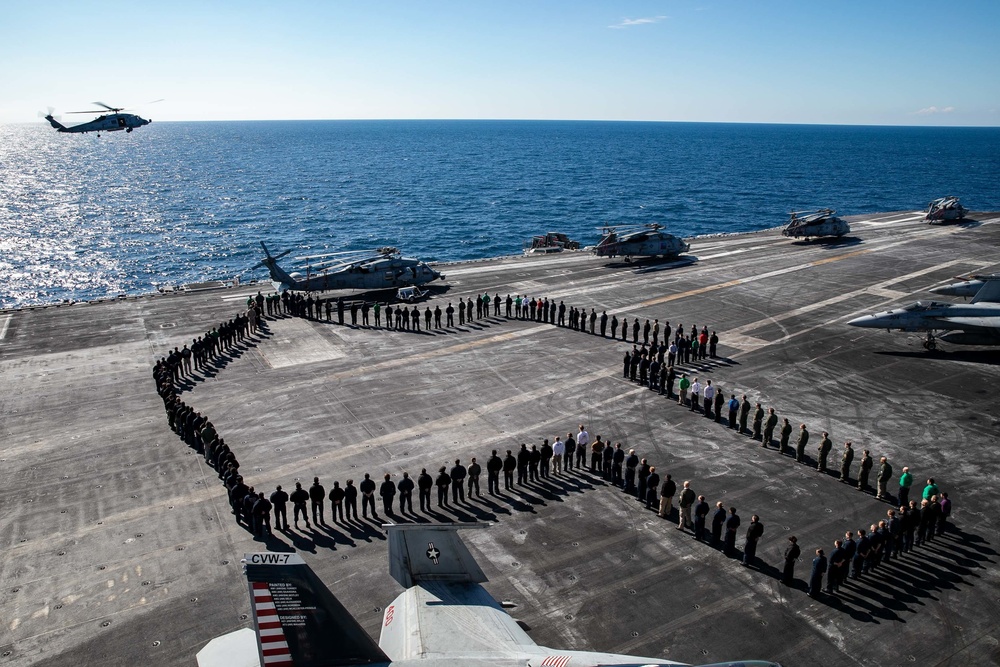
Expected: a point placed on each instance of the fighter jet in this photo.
(382, 268)
(813, 224)
(975, 323)
(443, 617)
(966, 287)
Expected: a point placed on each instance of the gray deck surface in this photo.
(118, 547)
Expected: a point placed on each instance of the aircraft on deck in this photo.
(967, 286)
(945, 209)
(112, 122)
(814, 224)
(975, 323)
(382, 268)
(639, 241)
(443, 618)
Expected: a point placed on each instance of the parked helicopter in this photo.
(381, 268)
(112, 122)
(945, 209)
(813, 224)
(639, 241)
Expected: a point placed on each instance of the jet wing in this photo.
(445, 620)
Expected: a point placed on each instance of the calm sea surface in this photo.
(173, 203)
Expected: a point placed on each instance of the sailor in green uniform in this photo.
(800, 448)
(825, 445)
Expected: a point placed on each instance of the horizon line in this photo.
(547, 120)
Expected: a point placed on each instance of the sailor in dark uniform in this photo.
(816, 576)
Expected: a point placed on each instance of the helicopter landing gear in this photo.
(930, 342)
(128, 130)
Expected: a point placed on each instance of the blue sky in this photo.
(888, 62)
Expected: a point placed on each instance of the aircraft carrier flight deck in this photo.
(119, 547)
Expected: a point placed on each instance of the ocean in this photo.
(83, 217)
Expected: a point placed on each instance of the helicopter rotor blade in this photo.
(331, 263)
(109, 108)
(337, 254)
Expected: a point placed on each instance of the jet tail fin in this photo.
(298, 620)
(989, 292)
(424, 552)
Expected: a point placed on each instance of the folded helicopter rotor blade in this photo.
(336, 254)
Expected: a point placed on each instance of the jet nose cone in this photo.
(865, 321)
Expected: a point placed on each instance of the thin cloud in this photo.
(930, 111)
(628, 23)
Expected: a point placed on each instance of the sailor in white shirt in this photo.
(558, 449)
(582, 444)
(695, 393)
(709, 394)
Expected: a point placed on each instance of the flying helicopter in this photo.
(382, 268)
(111, 122)
(639, 241)
(813, 224)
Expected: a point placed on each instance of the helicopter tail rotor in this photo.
(53, 120)
(269, 259)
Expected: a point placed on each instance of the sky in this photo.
(871, 62)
